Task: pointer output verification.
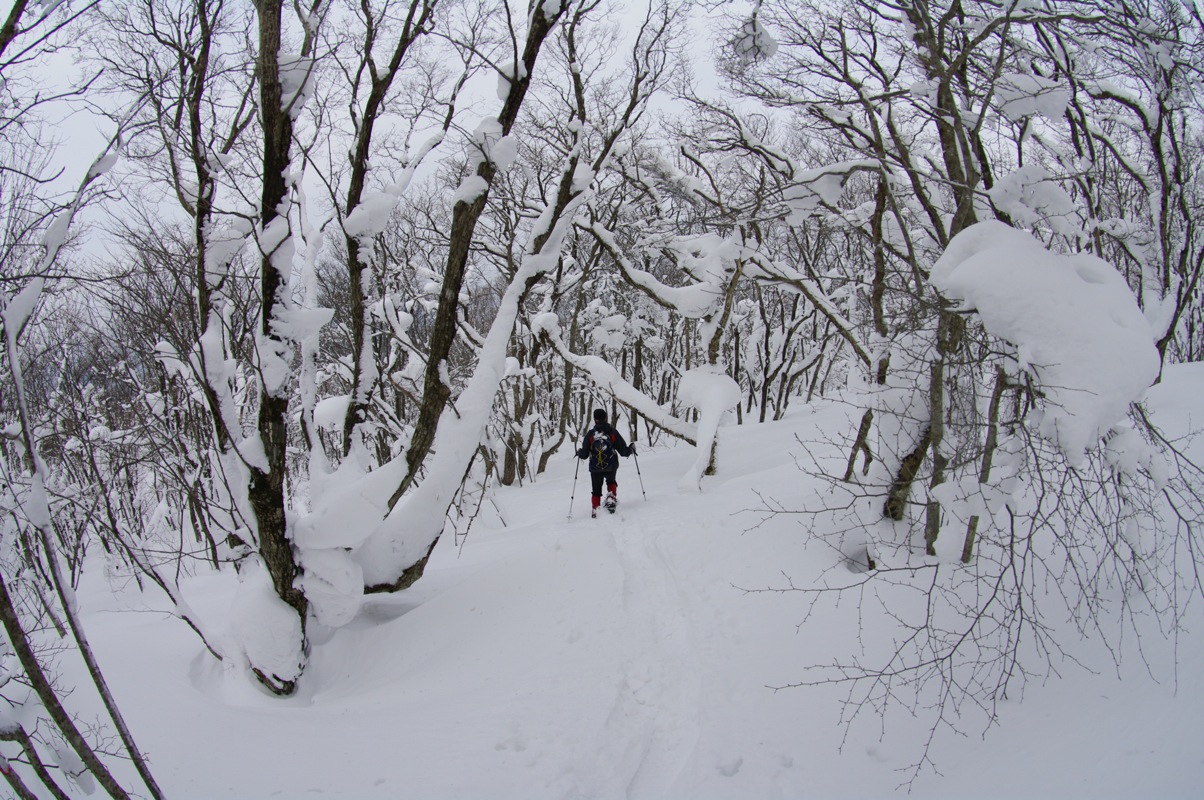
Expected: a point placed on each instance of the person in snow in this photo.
(603, 445)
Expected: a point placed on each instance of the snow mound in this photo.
(268, 630)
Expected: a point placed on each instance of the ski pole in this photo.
(574, 494)
(637, 472)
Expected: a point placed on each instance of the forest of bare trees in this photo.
(342, 267)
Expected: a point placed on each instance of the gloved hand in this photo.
(631, 449)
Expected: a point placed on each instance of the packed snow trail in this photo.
(649, 736)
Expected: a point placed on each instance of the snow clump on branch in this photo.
(753, 43)
(1073, 320)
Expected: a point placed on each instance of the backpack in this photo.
(601, 450)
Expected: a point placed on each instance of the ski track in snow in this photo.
(650, 733)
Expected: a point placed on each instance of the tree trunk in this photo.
(988, 455)
(435, 391)
(950, 328)
(266, 490)
(637, 371)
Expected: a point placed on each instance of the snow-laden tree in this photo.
(401, 97)
(181, 299)
(378, 255)
(395, 553)
(956, 140)
(926, 101)
(220, 145)
(1133, 154)
(248, 438)
(41, 527)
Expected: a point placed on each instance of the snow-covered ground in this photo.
(623, 657)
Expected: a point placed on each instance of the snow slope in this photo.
(623, 658)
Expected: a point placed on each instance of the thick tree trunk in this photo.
(202, 218)
(877, 298)
(266, 490)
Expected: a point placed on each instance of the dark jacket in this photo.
(618, 448)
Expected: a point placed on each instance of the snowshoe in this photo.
(611, 502)
(593, 512)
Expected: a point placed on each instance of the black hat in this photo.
(599, 415)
